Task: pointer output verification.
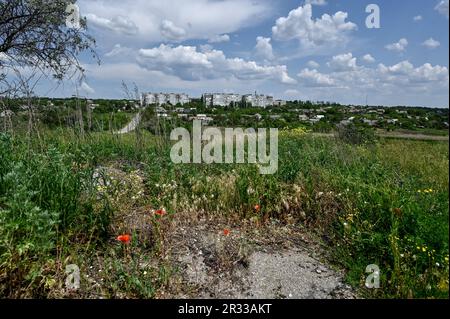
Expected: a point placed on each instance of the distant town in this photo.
(322, 116)
(212, 99)
(229, 109)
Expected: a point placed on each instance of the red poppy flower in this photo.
(226, 232)
(124, 238)
(257, 208)
(160, 212)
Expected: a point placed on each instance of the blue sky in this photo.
(313, 49)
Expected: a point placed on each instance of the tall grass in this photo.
(385, 203)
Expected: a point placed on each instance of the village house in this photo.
(303, 117)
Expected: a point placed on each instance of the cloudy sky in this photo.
(307, 49)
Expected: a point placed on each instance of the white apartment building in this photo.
(221, 99)
(227, 99)
(259, 100)
(164, 98)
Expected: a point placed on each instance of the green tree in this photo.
(33, 33)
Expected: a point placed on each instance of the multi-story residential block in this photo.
(221, 99)
(211, 99)
(164, 98)
(227, 99)
(258, 100)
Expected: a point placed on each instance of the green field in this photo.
(384, 203)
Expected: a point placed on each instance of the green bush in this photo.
(355, 135)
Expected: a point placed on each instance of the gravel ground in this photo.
(263, 272)
(293, 274)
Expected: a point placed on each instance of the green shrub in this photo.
(355, 135)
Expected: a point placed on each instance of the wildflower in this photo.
(226, 232)
(124, 238)
(257, 208)
(160, 212)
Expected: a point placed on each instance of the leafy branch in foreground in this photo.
(33, 33)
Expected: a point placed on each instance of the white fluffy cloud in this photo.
(219, 38)
(442, 8)
(187, 63)
(401, 77)
(343, 62)
(119, 51)
(200, 19)
(313, 64)
(402, 68)
(399, 46)
(431, 43)
(405, 72)
(118, 24)
(264, 48)
(170, 31)
(314, 78)
(418, 18)
(368, 58)
(299, 24)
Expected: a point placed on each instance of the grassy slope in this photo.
(384, 204)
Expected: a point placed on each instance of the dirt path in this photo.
(132, 125)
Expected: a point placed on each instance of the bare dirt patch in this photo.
(280, 262)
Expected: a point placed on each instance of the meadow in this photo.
(66, 197)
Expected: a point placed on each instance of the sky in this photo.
(320, 50)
